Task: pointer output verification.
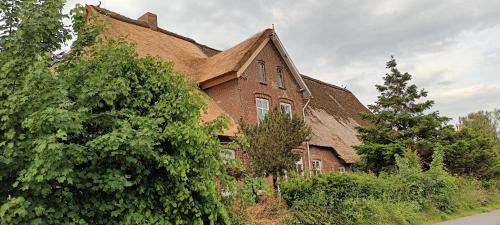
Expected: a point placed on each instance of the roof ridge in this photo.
(261, 37)
(325, 83)
(143, 24)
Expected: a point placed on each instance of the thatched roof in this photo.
(333, 116)
(184, 52)
(199, 62)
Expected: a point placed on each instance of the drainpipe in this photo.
(307, 142)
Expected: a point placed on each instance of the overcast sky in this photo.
(452, 48)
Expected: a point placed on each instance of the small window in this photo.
(286, 108)
(281, 80)
(342, 169)
(227, 155)
(299, 167)
(262, 71)
(316, 167)
(262, 108)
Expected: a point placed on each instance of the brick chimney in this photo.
(150, 19)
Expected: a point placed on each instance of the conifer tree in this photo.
(270, 143)
(399, 120)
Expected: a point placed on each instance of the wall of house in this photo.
(227, 96)
(330, 162)
(251, 87)
(237, 97)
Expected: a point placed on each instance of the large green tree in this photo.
(400, 120)
(476, 149)
(270, 143)
(102, 136)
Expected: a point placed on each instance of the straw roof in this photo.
(184, 52)
(199, 62)
(333, 116)
(231, 59)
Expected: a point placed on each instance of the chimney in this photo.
(150, 19)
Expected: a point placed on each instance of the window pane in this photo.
(262, 106)
(262, 71)
(286, 108)
(281, 82)
(227, 155)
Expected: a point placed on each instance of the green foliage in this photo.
(103, 137)
(361, 198)
(399, 121)
(486, 122)
(475, 151)
(270, 143)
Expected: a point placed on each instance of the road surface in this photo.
(489, 218)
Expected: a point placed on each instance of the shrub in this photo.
(360, 198)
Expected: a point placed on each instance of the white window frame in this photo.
(342, 169)
(316, 164)
(286, 108)
(299, 166)
(281, 79)
(227, 154)
(262, 106)
(261, 70)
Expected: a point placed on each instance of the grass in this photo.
(440, 217)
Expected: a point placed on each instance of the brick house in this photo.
(247, 80)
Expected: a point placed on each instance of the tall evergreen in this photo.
(400, 120)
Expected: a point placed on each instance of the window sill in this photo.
(282, 88)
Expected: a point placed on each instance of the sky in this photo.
(451, 48)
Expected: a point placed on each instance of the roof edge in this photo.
(125, 19)
(295, 72)
(335, 152)
(325, 83)
(264, 34)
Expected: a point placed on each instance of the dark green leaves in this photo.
(102, 136)
(271, 142)
(399, 121)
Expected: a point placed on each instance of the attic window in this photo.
(262, 71)
(281, 80)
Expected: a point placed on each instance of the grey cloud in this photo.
(347, 42)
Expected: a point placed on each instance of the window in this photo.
(227, 155)
(299, 167)
(281, 81)
(262, 71)
(316, 164)
(262, 108)
(286, 108)
(342, 169)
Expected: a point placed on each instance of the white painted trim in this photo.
(251, 58)
(290, 64)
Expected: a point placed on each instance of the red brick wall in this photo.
(227, 96)
(329, 160)
(237, 97)
(252, 88)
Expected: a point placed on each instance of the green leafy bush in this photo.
(101, 137)
(360, 198)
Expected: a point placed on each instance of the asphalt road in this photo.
(489, 218)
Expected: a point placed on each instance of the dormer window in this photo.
(262, 71)
(281, 80)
